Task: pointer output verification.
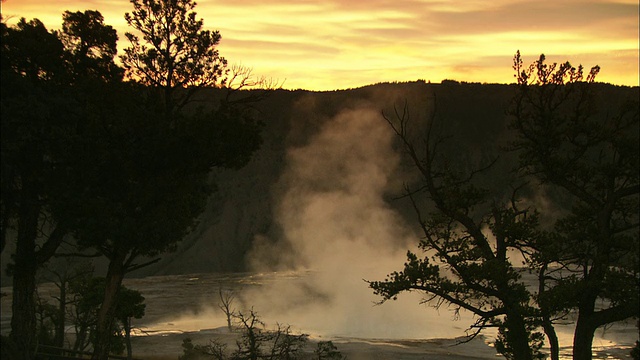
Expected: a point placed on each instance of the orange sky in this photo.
(337, 44)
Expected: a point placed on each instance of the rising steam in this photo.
(338, 230)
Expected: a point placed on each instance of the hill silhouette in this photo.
(242, 212)
(243, 208)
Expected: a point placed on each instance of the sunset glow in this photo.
(338, 44)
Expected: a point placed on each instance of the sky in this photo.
(340, 44)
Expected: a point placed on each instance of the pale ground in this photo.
(168, 346)
(178, 294)
(168, 298)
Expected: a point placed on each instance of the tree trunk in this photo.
(81, 336)
(583, 338)
(552, 337)
(62, 313)
(23, 319)
(518, 337)
(106, 314)
(547, 324)
(4, 222)
(126, 323)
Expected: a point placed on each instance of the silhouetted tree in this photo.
(325, 350)
(64, 277)
(88, 299)
(82, 153)
(91, 46)
(256, 342)
(34, 121)
(175, 54)
(86, 296)
(467, 239)
(226, 299)
(572, 142)
(214, 350)
(586, 148)
(46, 321)
(158, 154)
(130, 305)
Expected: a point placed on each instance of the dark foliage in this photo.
(586, 258)
(118, 165)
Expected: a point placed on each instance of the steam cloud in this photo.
(339, 230)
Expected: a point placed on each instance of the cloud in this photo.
(340, 44)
